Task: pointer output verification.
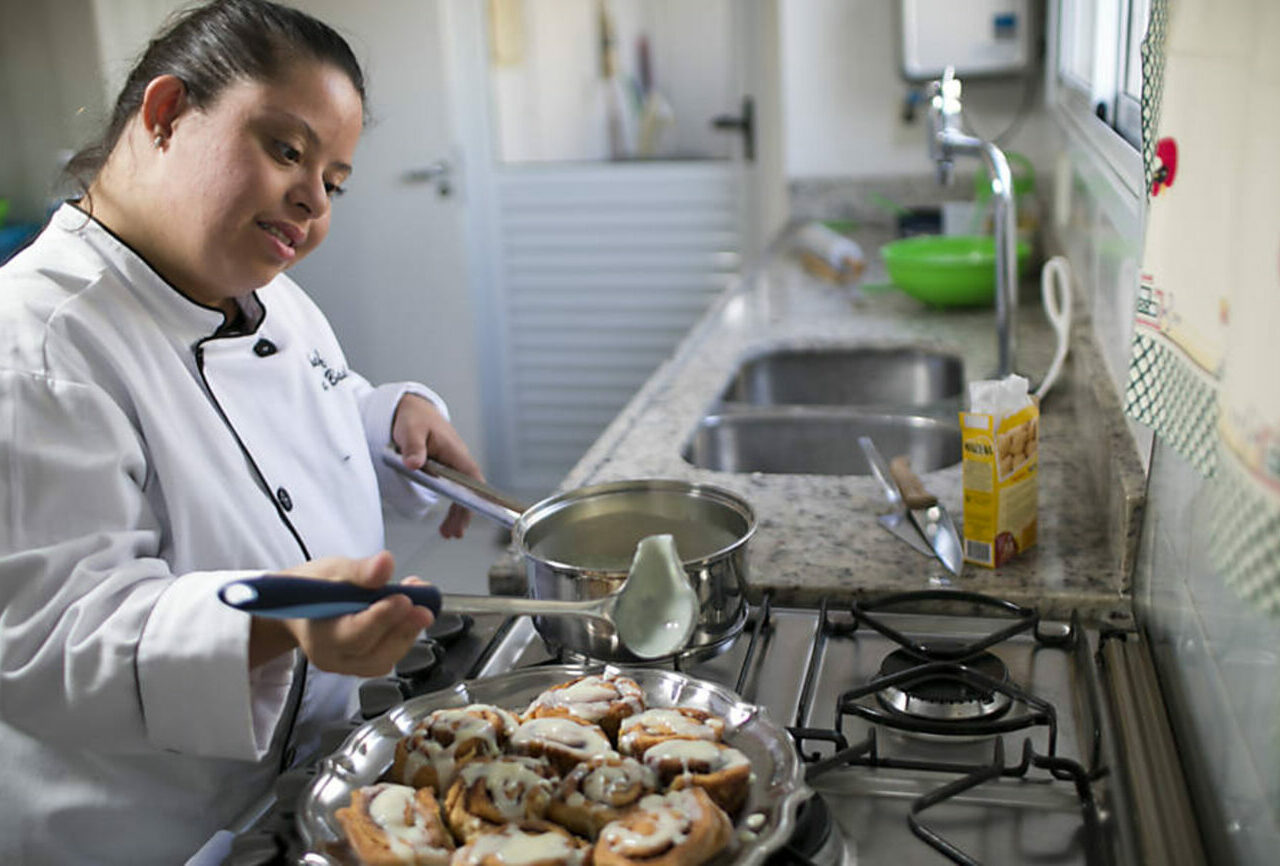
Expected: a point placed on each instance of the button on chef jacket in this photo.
(147, 459)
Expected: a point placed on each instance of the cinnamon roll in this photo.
(489, 792)
(525, 843)
(431, 753)
(640, 732)
(395, 825)
(722, 771)
(564, 741)
(681, 828)
(600, 790)
(602, 699)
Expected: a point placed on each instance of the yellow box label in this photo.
(1001, 485)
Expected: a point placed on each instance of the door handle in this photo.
(439, 173)
(744, 123)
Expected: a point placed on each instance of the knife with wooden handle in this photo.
(929, 515)
(897, 521)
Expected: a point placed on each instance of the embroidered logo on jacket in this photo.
(331, 376)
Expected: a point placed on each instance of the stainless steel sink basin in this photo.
(902, 377)
(818, 442)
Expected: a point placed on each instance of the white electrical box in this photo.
(977, 37)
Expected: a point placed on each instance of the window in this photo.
(1129, 94)
(1095, 82)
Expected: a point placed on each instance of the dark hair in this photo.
(211, 46)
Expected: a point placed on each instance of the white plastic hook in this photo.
(1055, 295)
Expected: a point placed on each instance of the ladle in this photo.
(655, 611)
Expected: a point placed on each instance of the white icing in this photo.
(405, 829)
(673, 815)
(670, 722)
(516, 847)
(509, 781)
(579, 740)
(464, 724)
(658, 609)
(605, 784)
(695, 754)
(593, 697)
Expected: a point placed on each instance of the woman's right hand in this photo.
(365, 644)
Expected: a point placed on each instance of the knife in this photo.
(897, 521)
(929, 515)
(283, 596)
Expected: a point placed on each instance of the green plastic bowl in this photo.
(947, 270)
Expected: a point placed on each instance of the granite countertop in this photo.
(818, 535)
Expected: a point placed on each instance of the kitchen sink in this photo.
(817, 442)
(860, 376)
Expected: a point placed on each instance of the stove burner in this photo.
(448, 627)
(421, 659)
(944, 696)
(813, 842)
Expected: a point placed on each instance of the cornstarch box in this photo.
(1001, 484)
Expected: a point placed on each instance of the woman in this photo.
(176, 413)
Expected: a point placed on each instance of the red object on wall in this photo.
(1167, 156)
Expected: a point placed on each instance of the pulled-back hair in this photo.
(211, 46)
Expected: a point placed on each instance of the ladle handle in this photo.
(285, 596)
(517, 606)
(462, 489)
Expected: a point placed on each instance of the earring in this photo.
(158, 141)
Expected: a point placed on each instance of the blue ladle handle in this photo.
(283, 596)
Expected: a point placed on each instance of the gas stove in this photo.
(937, 726)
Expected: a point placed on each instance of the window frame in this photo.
(1115, 140)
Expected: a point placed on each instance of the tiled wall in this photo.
(1218, 660)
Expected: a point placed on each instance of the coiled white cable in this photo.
(1055, 295)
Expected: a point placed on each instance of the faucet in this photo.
(946, 139)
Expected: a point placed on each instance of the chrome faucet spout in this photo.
(947, 139)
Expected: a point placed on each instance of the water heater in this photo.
(977, 37)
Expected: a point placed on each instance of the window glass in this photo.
(1138, 13)
(1077, 41)
(1100, 62)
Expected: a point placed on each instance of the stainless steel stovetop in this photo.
(1016, 728)
(938, 726)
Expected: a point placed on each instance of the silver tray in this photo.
(777, 783)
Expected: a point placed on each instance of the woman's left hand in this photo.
(419, 430)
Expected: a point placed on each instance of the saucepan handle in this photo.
(462, 489)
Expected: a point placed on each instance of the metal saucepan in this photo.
(579, 545)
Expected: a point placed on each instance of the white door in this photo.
(392, 275)
(589, 263)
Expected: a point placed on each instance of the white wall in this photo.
(843, 95)
(50, 101)
(551, 101)
(123, 29)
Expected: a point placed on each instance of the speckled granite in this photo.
(818, 535)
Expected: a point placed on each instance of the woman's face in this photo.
(249, 180)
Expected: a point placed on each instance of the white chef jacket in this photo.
(146, 460)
